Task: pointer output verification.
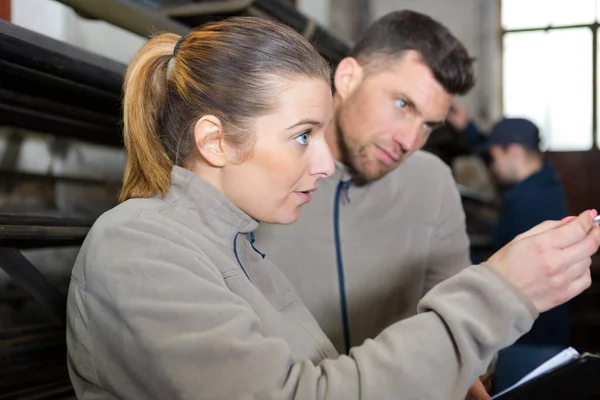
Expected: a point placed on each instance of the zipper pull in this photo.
(346, 189)
(252, 240)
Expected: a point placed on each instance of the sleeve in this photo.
(477, 139)
(474, 135)
(163, 330)
(449, 251)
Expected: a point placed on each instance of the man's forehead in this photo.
(410, 77)
(406, 69)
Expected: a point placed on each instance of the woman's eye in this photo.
(302, 138)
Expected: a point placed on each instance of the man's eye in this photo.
(401, 104)
(302, 138)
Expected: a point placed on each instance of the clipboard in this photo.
(576, 380)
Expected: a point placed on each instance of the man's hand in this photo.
(479, 390)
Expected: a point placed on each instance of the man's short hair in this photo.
(391, 36)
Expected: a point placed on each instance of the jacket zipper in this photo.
(342, 186)
(238, 257)
(252, 240)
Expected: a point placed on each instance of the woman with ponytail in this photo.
(171, 297)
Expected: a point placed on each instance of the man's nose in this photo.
(408, 135)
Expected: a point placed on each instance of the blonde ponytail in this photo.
(225, 69)
(148, 167)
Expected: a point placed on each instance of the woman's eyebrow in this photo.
(305, 121)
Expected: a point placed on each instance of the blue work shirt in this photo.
(538, 198)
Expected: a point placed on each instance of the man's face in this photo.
(388, 116)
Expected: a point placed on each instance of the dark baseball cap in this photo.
(513, 131)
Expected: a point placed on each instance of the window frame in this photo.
(594, 27)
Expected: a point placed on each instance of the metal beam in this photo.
(51, 87)
(328, 45)
(37, 231)
(12, 175)
(26, 236)
(45, 219)
(40, 350)
(207, 8)
(128, 15)
(31, 279)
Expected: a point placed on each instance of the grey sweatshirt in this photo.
(169, 300)
(397, 238)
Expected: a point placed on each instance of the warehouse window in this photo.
(548, 68)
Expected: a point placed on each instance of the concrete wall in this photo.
(60, 22)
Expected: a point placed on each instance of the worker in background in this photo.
(534, 193)
(386, 197)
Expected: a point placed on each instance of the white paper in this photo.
(560, 359)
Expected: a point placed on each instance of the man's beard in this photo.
(348, 159)
(356, 160)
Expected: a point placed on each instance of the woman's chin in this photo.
(285, 218)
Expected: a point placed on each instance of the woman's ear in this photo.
(210, 142)
(348, 75)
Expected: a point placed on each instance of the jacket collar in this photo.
(341, 172)
(205, 207)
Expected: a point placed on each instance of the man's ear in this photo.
(209, 140)
(348, 75)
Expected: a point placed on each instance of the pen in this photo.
(597, 220)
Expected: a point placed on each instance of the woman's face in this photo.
(289, 155)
